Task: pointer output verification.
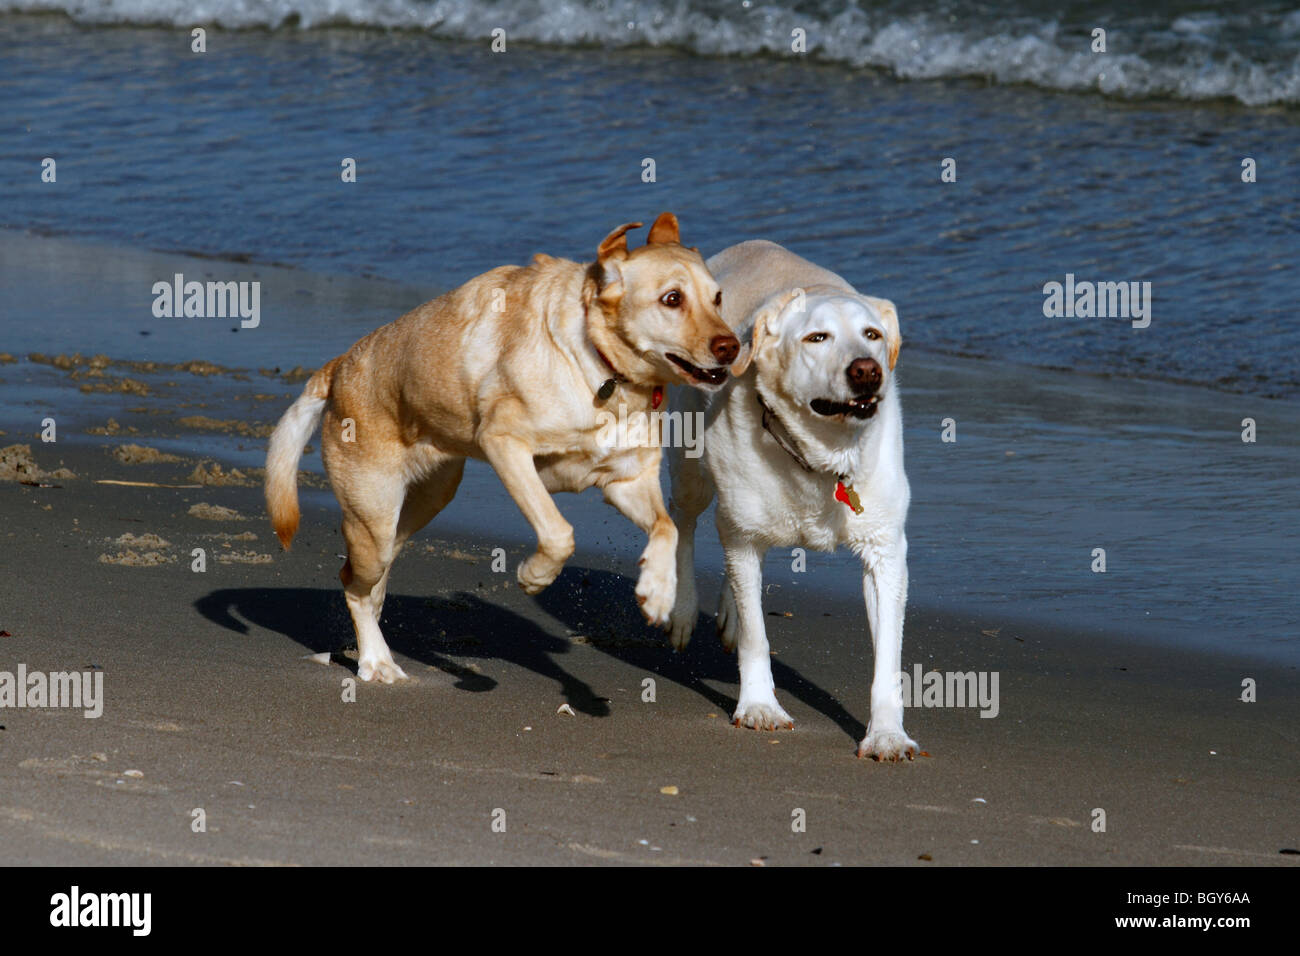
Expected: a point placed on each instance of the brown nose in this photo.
(725, 348)
(864, 375)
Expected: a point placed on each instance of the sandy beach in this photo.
(212, 699)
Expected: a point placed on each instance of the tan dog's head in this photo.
(826, 350)
(656, 310)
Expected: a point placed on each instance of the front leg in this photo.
(642, 501)
(884, 586)
(513, 461)
(757, 706)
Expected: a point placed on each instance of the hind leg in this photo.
(424, 500)
(371, 533)
(692, 490)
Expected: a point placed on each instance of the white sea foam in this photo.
(1190, 56)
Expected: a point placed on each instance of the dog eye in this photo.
(871, 334)
(717, 299)
(671, 299)
(817, 337)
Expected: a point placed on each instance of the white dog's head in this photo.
(826, 350)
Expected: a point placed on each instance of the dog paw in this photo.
(887, 745)
(727, 621)
(762, 715)
(656, 591)
(386, 672)
(681, 624)
(538, 571)
(680, 628)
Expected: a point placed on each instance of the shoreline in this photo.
(395, 294)
(1046, 467)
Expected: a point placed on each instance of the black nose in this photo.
(725, 348)
(864, 375)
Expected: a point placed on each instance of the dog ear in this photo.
(893, 337)
(765, 326)
(741, 365)
(614, 246)
(664, 230)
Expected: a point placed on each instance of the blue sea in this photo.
(1172, 158)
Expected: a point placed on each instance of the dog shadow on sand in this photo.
(597, 607)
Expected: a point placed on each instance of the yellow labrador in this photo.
(519, 366)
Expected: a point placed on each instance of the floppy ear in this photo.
(765, 326)
(614, 246)
(893, 337)
(612, 251)
(741, 365)
(664, 230)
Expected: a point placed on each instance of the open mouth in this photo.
(862, 407)
(707, 376)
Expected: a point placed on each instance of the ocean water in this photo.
(467, 159)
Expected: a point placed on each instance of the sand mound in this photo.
(206, 423)
(227, 536)
(137, 559)
(140, 455)
(111, 428)
(211, 473)
(17, 464)
(243, 557)
(215, 512)
(147, 540)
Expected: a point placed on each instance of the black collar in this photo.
(770, 419)
(787, 444)
(843, 483)
(607, 387)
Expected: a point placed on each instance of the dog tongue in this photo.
(657, 396)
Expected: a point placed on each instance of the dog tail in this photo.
(287, 441)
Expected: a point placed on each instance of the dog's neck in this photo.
(616, 358)
(816, 445)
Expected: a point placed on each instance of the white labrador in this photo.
(804, 450)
